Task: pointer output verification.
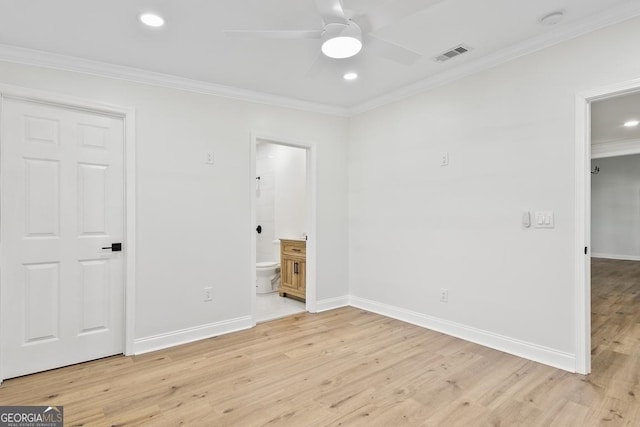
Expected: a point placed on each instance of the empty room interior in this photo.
(320, 212)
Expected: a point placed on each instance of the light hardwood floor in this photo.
(348, 367)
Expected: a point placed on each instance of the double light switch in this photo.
(543, 220)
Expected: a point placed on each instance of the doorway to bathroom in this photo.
(282, 207)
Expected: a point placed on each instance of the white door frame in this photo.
(311, 170)
(583, 215)
(129, 241)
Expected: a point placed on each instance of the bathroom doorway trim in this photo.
(311, 208)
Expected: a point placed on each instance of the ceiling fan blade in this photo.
(273, 34)
(391, 51)
(392, 11)
(317, 66)
(331, 11)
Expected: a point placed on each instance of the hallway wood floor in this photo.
(349, 367)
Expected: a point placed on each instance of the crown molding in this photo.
(622, 147)
(69, 63)
(563, 33)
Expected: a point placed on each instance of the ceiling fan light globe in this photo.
(341, 47)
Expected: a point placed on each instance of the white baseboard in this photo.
(184, 336)
(614, 256)
(332, 303)
(537, 353)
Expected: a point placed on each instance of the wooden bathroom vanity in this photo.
(293, 269)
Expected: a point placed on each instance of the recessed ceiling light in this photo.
(152, 20)
(350, 76)
(631, 123)
(341, 41)
(552, 18)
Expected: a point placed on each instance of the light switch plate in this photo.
(544, 219)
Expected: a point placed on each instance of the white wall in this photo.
(194, 227)
(281, 202)
(615, 208)
(291, 192)
(416, 227)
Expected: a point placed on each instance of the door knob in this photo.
(259, 229)
(115, 247)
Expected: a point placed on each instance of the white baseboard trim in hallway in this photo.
(614, 256)
(537, 353)
(183, 336)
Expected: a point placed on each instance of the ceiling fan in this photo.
(344, 32)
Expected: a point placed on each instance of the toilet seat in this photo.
(267, 264)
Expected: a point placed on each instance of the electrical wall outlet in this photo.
(444, 159)
(444, 295)
(208, 294)
(210, 158)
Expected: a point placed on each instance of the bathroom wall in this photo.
(290, 192)
(615, 208)
(281, 197)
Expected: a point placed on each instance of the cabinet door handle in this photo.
(295, 268)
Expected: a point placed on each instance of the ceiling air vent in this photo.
(452, 53)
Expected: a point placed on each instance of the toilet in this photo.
(267, 277)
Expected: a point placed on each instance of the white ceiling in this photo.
(609, 115)
(192, 44)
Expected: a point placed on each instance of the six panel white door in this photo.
(62, 299)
